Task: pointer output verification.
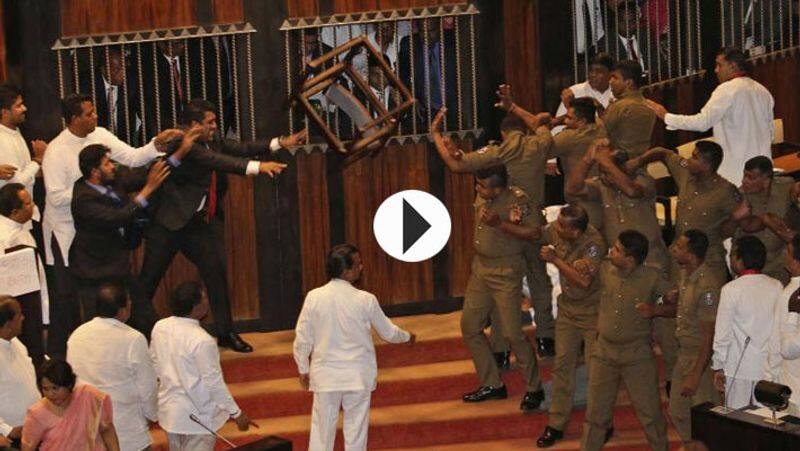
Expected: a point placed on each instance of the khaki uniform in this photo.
(705, 206)
(777, 201)
(622, 353)
(495, 284)
(629, 123)
(570, 146)
(525, 158)
(698, 299)
(577, 319)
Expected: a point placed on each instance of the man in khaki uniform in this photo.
(769, 199)
(627, 199)
(622, 352)
(706, 201)
(571, 145)
(496, 284)
(525, 157)
(628, 120)
(695, 313)
(577, 250)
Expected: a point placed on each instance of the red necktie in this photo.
(211, 209)
(176, 75)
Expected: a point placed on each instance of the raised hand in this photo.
(506, 100)
(296, 139)
(436, 125)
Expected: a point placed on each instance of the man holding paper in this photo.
(16, 210)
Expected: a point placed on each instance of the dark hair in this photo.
(796, 247)
(339, 259)
(71, 105)
(635, 245)
(497, 175)
(9, 198)
(603, 59)
(698, 243)
(584, 109)
(710, 152)
(7, 312)
(626, 5)
(751, 251)
(630, 70)
(195, 111)
(738, 57)
(57, 371)
(183, 298)
(761, 164)
(91, 157)
(576, 216)
(8, 95)
(111, 297)
(511, 123)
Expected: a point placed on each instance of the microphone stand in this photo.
(724, 409)
(197, 420)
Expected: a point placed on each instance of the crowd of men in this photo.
(721, 299)
(621, 285)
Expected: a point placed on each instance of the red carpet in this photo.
(416, 405)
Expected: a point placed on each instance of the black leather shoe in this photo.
(546, 347)
(503, 360)
(549, 437)
(531, 401)
(486, 393)
(234, 342)
(609, 434)
(668, 387)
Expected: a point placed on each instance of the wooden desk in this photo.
(743, 431)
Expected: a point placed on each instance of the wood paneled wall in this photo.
(2, 45)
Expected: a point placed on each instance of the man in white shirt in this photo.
(596, 87)
(334, 332)
(16, 209)
(18, 389)
(784, 352)
(742, 330)
(109, 355)
(13, 149)
(739, 110)
(61, 171)
(186, 360)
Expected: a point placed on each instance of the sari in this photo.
(78, 429)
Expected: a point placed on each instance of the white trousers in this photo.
(191, 442)
(739, 392)
(325, 413)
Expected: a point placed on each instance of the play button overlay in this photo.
(412, 226)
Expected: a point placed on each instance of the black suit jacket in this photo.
(181, 194)
(420, 92)
(105, 232)
(101, 105)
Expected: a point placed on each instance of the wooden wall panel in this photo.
(240, 246)
(313, 205)
(780, 76)
(523, 70)
(2, 45)
(460, 197)
(227, 11)
(80, 17)
(367, 183)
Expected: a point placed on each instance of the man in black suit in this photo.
(108, 224)
(187, 218)
(110, 81)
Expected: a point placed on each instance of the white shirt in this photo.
(61, 171)
(186, 359)
(740, 111)
(112, 100)
(114, 358)
(583, 90)
(784, 356)
(14, 234)
(334, 330)
(626, 44)
(18, 389)
(746, 307)
(14, 151)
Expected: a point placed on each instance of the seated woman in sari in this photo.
(68, 417)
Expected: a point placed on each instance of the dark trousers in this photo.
(31, 336)
(201, 243)
(65, 312)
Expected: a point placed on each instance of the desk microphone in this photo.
(723, 410)
(197, 420)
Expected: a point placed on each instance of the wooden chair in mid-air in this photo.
(373, 129)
